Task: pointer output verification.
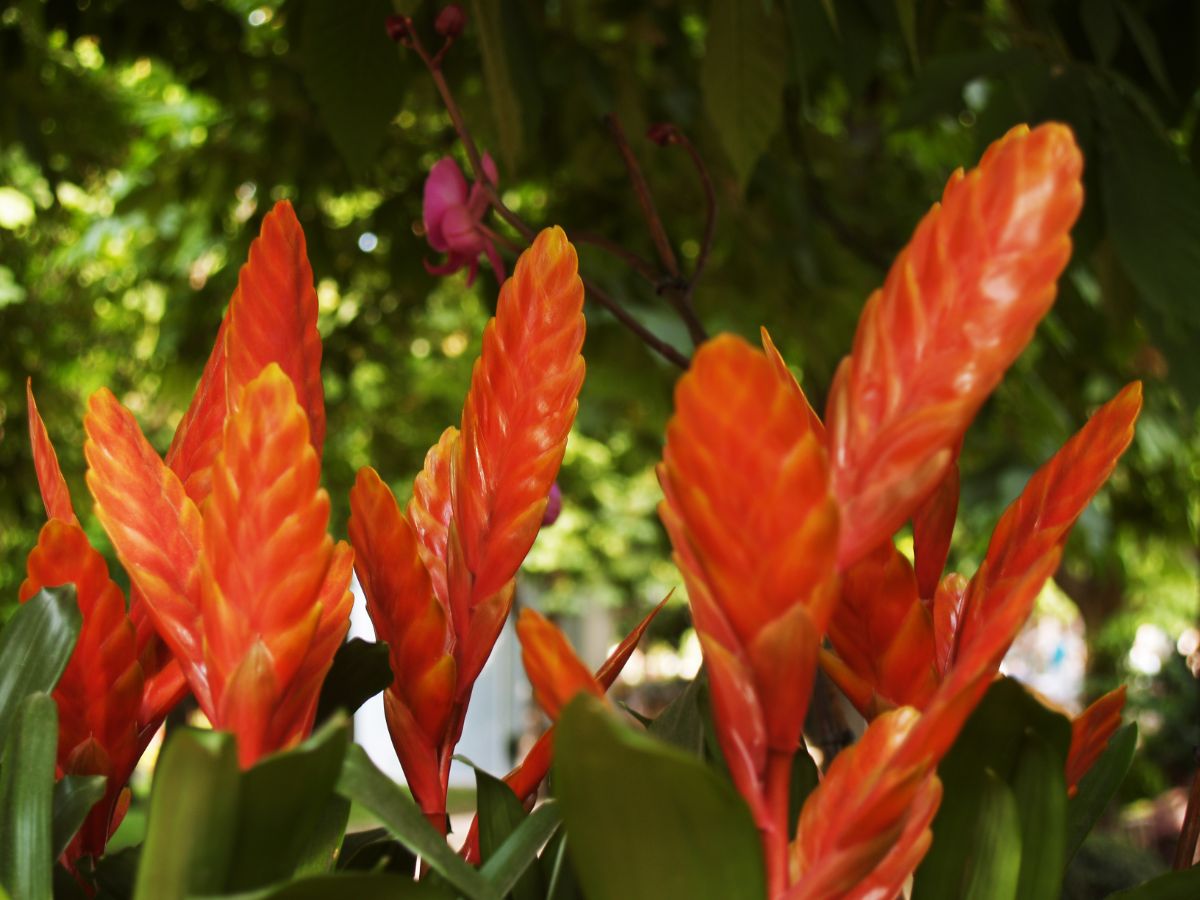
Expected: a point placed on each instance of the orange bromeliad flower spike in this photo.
(439, 579)
(520, 407)
(251, 594)
(957, 307)
(866, 826)
(760, 576)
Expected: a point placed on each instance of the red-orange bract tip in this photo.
(476, 508)
(555, 672)
(957, 307)
(56, 497)
(1090, 733)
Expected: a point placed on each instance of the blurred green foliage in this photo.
(141, 141)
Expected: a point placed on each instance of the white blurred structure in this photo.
(495, 720)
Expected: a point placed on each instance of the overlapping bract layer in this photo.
(439, 579)
(99, 695)
(110, 702)
(895, 644)
(957, 307)
(251, 594)
(866, 827)
(754, 530)
(554, 671)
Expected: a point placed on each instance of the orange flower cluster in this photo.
(439, 577)
(237, 591)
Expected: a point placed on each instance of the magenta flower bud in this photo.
(663, 133)
(451, 21)
(553, 505)
(399, 29)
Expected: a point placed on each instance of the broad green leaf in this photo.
(1152, 206)
(35, 647)
(1039, 787)
(351, 886)
(27, 799)
(116, 873)
(742, 77)
(681, 724)
(500, 77)
(501, 814)
(362, 783)
(375, 850)
(1098, 786)
(993, 740)
(344, 48)
(280, 803)
(994, 865)
(645, 820)
(360, 670)
(557, 872)
(192, 824)
(512, 863)
(320, 852)
(1183, 885)
(74, 797)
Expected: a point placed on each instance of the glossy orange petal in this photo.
(883, 633)
(56, 496)
(519, 409)
(957, 307)
(554, 671)
(933, 527)
(430, 510)
(198, 437)
(154, 527)
(267, 553)
(1040, 520)
(100, 692)
(272, 318)
(978, 661)
(406, 614)
(739, 441)
(867, 823)
(785, 375)
(1090, 733)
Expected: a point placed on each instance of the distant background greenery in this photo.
(141, 142)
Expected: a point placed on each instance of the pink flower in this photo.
(453, 213)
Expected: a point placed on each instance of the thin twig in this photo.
(661, 243)
(710, 208)
(631, 259)
(649, 338)
(475, 159)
